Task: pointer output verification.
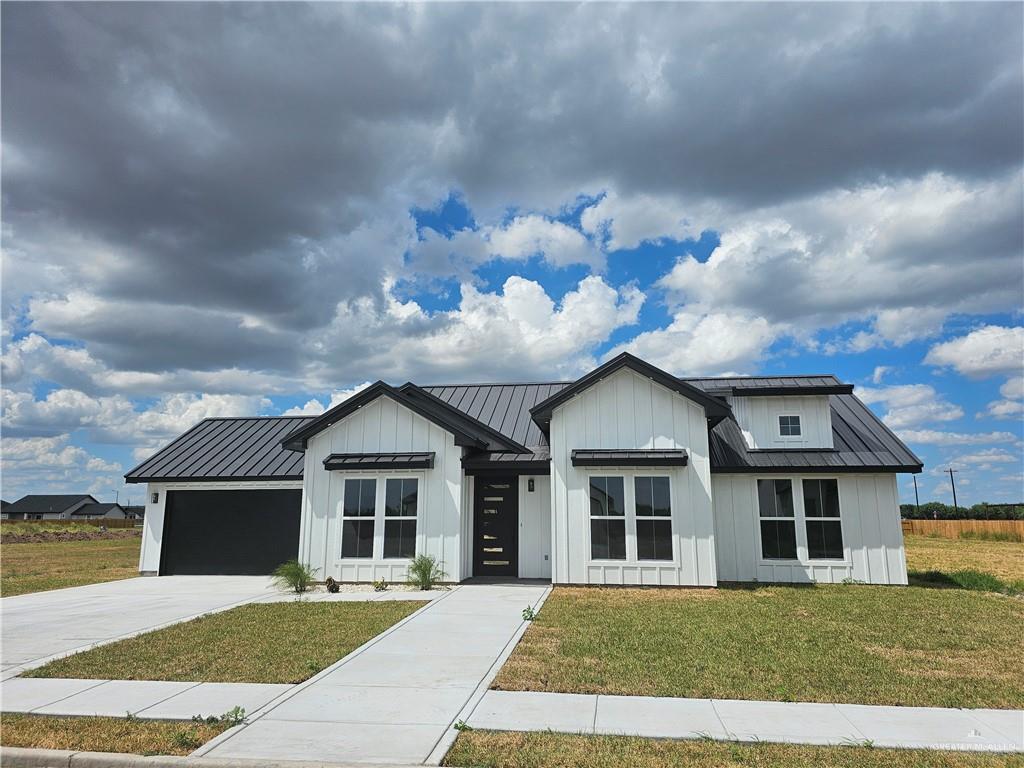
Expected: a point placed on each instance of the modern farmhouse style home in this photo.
(626, 476)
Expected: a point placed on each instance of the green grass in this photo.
(54, 565)
(977, 581)
(992, 536)
(490, 749)
(107, 734)
(842, 643)
(264, 643)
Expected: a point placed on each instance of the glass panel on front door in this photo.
(496, 527)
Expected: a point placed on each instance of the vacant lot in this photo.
(275, 643)
(489, 749)
(56, 564)
(107, 734)
(1003, 559)
(841, 643)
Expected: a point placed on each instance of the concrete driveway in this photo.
(40, 626)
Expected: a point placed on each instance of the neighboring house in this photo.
(134, 512)
(99, 510)
(626, 476)
(47, 507)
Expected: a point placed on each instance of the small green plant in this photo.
(294, 576)
(186, 739)
(313, 666)
(462, 725)
(234, 716)
(424, 572)
(332, 586)
(380, 585)
(529, 614)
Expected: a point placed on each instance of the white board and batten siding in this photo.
(382, 426)
(870, 519)
(153, 522)
(630, 411)
(758, 419)
(535, 527)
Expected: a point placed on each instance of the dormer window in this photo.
(789, 426)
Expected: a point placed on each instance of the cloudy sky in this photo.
(253, 209)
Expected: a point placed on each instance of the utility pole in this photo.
(953, 485)
(917, 501)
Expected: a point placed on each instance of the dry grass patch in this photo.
(1003, 559)
(54, 565)
(263, 643)
(107, 734)
(490, 749)
(844, 643)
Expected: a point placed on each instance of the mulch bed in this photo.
(91, 535)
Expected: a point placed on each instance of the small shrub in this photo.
(529, 614)
(294, 576)
(462, 725)
(424, 572)
(380, 585)
(332, 585)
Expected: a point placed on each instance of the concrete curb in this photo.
(280, 699)
(17, 757)
(448, 738)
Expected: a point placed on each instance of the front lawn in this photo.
(262, 643)
(107, 734)
(36, 567)
(842, 643)
(489, 749)
(1003, 559)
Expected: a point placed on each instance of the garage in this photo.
(229, 532)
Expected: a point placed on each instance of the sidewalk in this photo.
(144, 698)
(801, 723)
(395, 699)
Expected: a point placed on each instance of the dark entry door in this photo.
(496, 527)
(229, 532)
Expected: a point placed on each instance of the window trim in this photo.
(822, 519)
(629, 488)
(778, 426)
(379, 517)
(760, 518)
(800, 520)
(400, 518)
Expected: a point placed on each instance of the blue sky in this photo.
(207, 213)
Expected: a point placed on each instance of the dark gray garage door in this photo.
(229, 532)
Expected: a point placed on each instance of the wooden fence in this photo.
(951, 529)
(109, 522)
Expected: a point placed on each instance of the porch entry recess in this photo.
(496, 526)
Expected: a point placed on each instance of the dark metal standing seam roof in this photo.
(250, 448)
(655, 457)
(46, 504)
(227, 449)
(357, 461)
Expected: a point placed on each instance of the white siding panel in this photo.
(535, 527)
(384, 426)
(630, 411)
(872, 535)
(758, 418)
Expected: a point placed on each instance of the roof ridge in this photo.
(496, 384)
(761, 376)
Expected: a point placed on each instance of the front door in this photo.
(496, 527)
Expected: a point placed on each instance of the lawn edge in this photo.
(297, 687)
(37, 663)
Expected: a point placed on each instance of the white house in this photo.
(626, 476)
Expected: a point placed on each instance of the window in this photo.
(789, 426)
(653, 518)
(778, 522)
(400, 499)
(607, 518)
(358, 510)
(821, 513)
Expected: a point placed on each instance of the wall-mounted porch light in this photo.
(529, 485)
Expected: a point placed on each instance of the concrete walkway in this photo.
(802, 723)
(145, 698)
(395, 699)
